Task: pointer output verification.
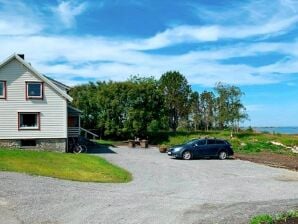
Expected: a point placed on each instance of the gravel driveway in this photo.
(164, 190)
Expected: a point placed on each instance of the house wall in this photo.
(53, 107)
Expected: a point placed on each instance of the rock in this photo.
(277, 143)
(295, 149)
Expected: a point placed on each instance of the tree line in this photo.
(140, 105)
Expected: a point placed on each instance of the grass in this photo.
(77, 167)
(108, 142)
(269, 219)
(243, 142)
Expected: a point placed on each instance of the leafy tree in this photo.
(230, 111)
(84, 99)
(207, 107)
(195, 110)
(176, 92)
(141, 105)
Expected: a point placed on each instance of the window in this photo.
(201, 142)
(2, 89)
(28, 143)
(29, 121)
(34, 90)
(211, 142)
(220, 142)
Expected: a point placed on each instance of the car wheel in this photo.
(186, 155)
(222, 155)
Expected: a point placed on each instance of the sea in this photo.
(280, 130)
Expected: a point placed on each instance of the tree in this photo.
(121, 109)
(207, 108)
(195, 110)
(229, 109)
(222, 105)
(176, 91)
(84, 99)
(237, 109)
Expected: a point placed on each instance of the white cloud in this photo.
(185, 34)
(68, 10)
(103, 58)
(18, 19)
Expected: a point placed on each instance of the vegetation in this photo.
(108, 142)
(243, 142)
(176, 92)
(140, 106)
(279, 218)
(77, 167)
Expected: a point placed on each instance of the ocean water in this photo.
(281, 130)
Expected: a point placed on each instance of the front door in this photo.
(200, 148)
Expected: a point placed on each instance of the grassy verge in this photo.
(109, 142)
(244, 142)
(279, 218)
(78, 167)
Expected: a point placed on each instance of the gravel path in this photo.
(164, 190)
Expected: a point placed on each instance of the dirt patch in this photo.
(288, 221)
(271, 159)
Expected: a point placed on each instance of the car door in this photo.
(211, 148)
(200, 148)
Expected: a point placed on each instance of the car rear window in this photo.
(220, 142)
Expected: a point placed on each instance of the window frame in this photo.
(34, 97)
(37, 128)
(4, 96)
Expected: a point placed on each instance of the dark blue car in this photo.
(202, 148)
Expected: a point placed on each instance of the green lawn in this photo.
(77, 167)
(109, 142)
(244, 142)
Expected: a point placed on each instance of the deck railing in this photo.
(74, 132)
(86, 132)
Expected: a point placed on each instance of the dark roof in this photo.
(58, 83)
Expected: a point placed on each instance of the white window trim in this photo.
(41, 90)
(3, 94)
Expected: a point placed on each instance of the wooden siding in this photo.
(53, 107)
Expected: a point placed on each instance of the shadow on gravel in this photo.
(100, 149)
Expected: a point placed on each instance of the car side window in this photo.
(211, 142)
(201, 142)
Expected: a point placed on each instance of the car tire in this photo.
(222, 155)
(186, 155)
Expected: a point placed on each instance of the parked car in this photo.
(202, 148)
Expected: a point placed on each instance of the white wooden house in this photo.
(34, 109)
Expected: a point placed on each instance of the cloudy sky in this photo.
(249, 43)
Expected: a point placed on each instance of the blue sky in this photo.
(251, 44)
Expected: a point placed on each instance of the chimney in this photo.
(22, 56)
